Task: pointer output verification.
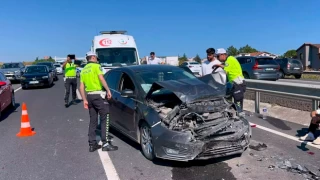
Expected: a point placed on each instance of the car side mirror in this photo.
(2, 83)
(128, 93)
(22, 72)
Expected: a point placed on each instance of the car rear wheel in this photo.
(281, 74)
(146, 142)
(297, 76)
(13, 101)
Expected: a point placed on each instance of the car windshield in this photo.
(46, 64)
(266, 61)
(10, 65)
(57, 65)
(149, 77)
(83, 65)
(117, 56)
(36, 69)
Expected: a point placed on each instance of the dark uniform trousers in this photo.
(73, 83)
(238, 91)
(98, 105)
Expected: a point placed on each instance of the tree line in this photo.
(233, 51)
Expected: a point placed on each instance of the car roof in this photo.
(138, 68)
(258, 57)
(37, 65)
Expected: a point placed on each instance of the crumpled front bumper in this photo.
(174, 145)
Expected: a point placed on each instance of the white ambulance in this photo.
(115, 49)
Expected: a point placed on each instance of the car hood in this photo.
(10, 70)
(191, 90)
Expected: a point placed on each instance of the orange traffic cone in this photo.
(25, 129)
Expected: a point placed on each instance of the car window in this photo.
(10, 65)
(296, 62)
(194, 63)
(36, 69)
(112, 79)
(2, 77)
(266, 61)
(57, 65)
(126, 83)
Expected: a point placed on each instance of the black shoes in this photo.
(94, 147)
(109, 147)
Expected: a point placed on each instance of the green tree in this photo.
(290, 54)
(232, 51)
(247, 49)
(37, 59)
(183, 59)
(197, 58)
(50, 57)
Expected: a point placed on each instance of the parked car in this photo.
(37, 76)
(259, 67)
(7, 98)
(52, 69)
(79, 69)
(58, 68)
(12, 71)
(290, 67)
(174, 115)
(195, 67)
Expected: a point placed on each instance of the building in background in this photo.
(309, 55)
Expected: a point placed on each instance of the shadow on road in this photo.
(7, 112)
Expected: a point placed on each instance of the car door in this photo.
(4, 92)
(112, 78)
(126, 106)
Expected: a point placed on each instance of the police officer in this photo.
(234, 74)
(92, 81)
(70, 75)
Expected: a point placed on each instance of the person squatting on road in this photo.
(70, 75)
(234, 74)
(92, 81)
(210, 62)
(314, 124)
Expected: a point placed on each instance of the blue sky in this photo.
(169, 27)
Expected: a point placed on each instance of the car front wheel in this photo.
(146, 142)
(13, 101)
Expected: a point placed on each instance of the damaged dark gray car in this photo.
(174, 115)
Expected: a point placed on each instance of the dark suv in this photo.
(290, 67)
(52, 69)
(259, 67)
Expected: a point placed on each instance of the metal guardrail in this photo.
(306, 91)
(312, 72)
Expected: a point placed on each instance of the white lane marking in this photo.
(108, 166)
(79, 95)
(17, 89)
(286, 135)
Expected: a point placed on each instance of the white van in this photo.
(115, 49)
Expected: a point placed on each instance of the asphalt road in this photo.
(59, 150)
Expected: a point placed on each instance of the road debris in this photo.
(258, 147)
(311, 153)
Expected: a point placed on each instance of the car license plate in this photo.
(296, 68)
(269, 69)
(9, 78)
(33, 82)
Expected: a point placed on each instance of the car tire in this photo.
(147, 147)
(23, 87)
(13, 101)
(281, 74)
(245, 75)
(297, 76)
